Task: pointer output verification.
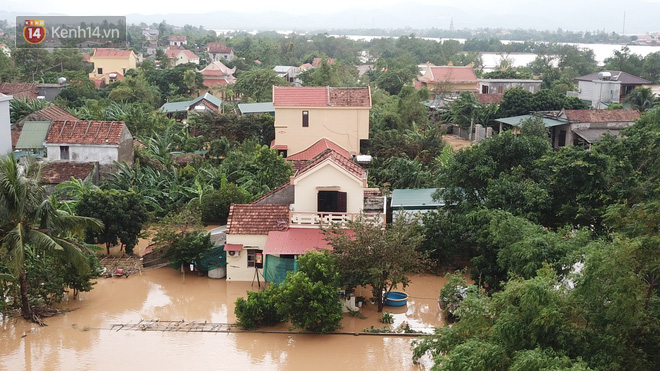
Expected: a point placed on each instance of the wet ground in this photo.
(82, 339)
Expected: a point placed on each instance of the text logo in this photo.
(34, 31)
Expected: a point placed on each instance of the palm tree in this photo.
(31, 223)
(642, 99)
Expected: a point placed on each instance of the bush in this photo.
(258, 310)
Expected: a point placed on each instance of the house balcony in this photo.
(324, 219)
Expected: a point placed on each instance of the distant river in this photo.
(601, 51)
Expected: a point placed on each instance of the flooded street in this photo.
(82, 339)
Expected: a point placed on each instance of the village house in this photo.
(56, 172)
(287, 221)
(303, 115)
(447, 80)
(199, 104)
(289, 73)
(177, 40)
(90, 141)
(5, 125)
(493, 86)
(601, 89)
(219, 51)
(578, 127)
(181, 56)
(111, 61)
(408, 203)
(217, 74)
(24, 90)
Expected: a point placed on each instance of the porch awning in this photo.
(295, 241)
(233, 247)
(594, 135)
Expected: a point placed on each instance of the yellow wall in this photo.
(237, 269)
(452, 87)
(326, 176)
(344, 126)
(113, 64)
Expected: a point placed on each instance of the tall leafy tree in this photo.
(123, 214)
(31, 224)
(382, 259)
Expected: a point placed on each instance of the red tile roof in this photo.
(316, 149)
(56, 172)
(218, 48)
(602, 115)
(86, 57)
(345, 163)
(111, 53)
(19, 89)
(177, 38)
(295, 241)
(455, 74)
(326, 96)
(490, 98)
(86, 132)
(257, 219)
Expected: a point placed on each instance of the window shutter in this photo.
(341, 202)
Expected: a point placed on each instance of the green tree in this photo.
(515, 102)
(381, 259)
(215, 204)
(642, 99)
(123, 214)
(309, 298)
(30, 224)
(258, 84)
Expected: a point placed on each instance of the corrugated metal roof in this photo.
(594, 135)
(415, 199)
(517, 121)
(33, 135)
(183, 105)
(264, 107)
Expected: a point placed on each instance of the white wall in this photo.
(5, 125)
(237, 269)
(327, 175)
(105, 155)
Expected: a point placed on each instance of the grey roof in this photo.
(265, 107)
(415, 199)
(282, 69)
(594, 135)
(33, 135)
(517, 121)
(184, 105)
(623, 77)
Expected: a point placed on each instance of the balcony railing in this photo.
(316, 219)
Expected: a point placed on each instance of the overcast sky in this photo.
(641, 15)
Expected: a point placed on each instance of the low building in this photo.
(33, 137)
(181, 56)
(579, 127)
(177, 40)
(408, 203)
(90, 141)
(199, 104)
(220, 51)
(500, 86)
(447, 80)
(601, 89)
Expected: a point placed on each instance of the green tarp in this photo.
(212, 259)
(275, 268)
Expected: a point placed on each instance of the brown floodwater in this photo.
(82, 340)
